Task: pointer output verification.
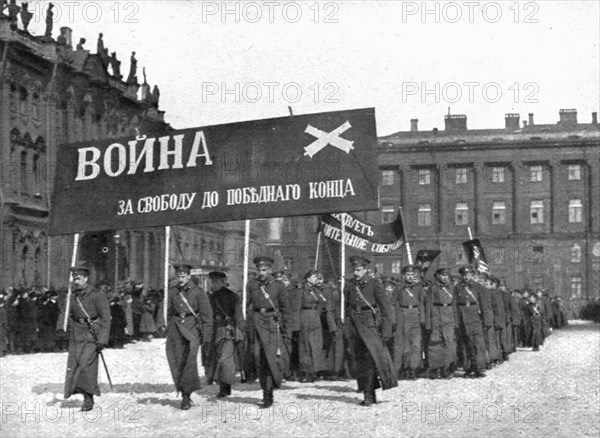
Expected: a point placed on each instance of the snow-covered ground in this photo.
(554, 392)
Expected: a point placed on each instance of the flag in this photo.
(375, 238)
(476, 255)
(425, 258)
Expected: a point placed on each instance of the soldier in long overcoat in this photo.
(440, 323)
(369, 326)
(225, 357)
(89, 326)
(268, 303)
(471, 319)
(190, 321)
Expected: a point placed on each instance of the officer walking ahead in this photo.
(190, 322)
(366, 307)
(268, 303)
(89, 312)
(225, 357)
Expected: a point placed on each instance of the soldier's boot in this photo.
(223, 392)
(267, 400)
(88, 402)
(186, 401)
(445, 373)
(369, 398)
(412, 374)
(478, 374)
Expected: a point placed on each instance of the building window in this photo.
(36, 177)
(498, 174)
(424, 215)
(461, 175)
(535, 173)
(536, 212)
(499, 213)
(537, 255)
(574, 172)
(576, 253)
(23, 95)
(576, 286)
(35, 110)
(24, 171)
(387, 177)
(537, 282)
(461, 216)
(424, 176)
(379, 267)
(387, 213)
(396, 266)
(575, 210)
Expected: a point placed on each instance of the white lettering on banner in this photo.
(349, 239)
(354, 224)
(153, 204)
(385, 247)
(337, 188)
(88, 167)
(263, 194)
(211, 199)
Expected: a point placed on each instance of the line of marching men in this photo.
(391, 330)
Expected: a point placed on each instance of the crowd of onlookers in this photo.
(590, 310)
(29, 317)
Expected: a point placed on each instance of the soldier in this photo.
(515, 317)
(293, 328)
(228, 325)
(440, 322)
(525, 320)
(533, 310)
(368, 314)
(499, 318)
(268, 303)
(334, 356)
(47, 318)
(468, 297)
(89, 326)
(190, 322)
(394, 345)
(409, 301)
(310, 341)
(489, 332)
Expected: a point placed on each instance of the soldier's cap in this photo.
(217, 275)
(357, 261)
(494, 280)
(183, 268)
(443, 271)
(465, 270)
(409, 268)
(261, 261)
(388, 280)
(80, 270)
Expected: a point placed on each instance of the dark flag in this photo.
(361, 235)
(425, 258)
(476, 255)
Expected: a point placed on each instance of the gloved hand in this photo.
(100, 346)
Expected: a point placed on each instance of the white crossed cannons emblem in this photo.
(332, 138)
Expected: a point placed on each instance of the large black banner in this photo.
(297, 165)
(476, 255)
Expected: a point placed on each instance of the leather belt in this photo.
(410, 306)
(184, 315)
(360, 308)
(442, 304)
(310, 307)
(84, 320)
(263, 310)
(467, 304)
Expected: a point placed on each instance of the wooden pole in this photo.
(343, 266)
(470, 234)
(166, 270)
(70, 288)
(318, 248)
(246, 256)
(408, 251)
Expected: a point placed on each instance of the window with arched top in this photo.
(35, 106)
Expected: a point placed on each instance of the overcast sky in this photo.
(483, 59)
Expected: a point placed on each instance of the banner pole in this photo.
(470, 234)
(245, 273)
(166, 270)
(318, 248)
(408, 251)
(70, 288)
(343, 266)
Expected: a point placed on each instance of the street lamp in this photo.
(116, 238)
